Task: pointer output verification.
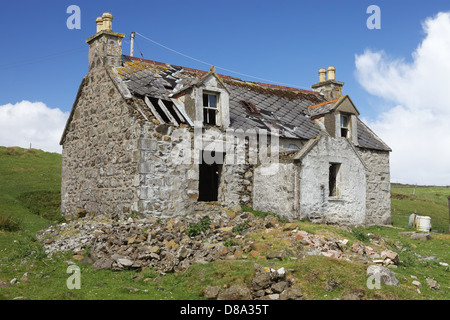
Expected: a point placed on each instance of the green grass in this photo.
(30, 199)
(424, 200)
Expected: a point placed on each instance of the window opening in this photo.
(333, 179)
(344, 126)
(209, 108)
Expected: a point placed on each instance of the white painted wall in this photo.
(349, 207)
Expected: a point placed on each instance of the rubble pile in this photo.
(171, 245)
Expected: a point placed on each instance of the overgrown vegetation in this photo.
(240, 228)
(360, 235)
(9, 223)
(46, 204)
(262, 214)
(199, 227)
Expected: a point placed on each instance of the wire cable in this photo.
(43, 58)
(218, 67)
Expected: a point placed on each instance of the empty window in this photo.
(344, 126)
(209, 108)
(334, 179)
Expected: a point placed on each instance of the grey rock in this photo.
(236, 292)
(432, 284)
(275, 255)
(383, 274)
(279, 286)
(211, 292)
(261, 281)
(103, 263)
(421, 236)
(292, 293)
(125, 262)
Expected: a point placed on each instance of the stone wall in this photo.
(378, 188)
(348, 206)
(166, 187)
(169, 173)
(275, 192)
(99, 157)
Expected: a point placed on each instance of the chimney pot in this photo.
(107, 21)
(99, 22)
(322, 75)
(331, 73)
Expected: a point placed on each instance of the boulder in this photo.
(383, 274)
(125, 262)
(211, 292)
(236, 292)
(103, 263)
(261, 280)
(432, 284)
(288, 226)
(421, 236)
(291, 293)
(388, 254)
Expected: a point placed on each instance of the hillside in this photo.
(29, 203)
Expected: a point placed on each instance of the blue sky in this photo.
(283, 41)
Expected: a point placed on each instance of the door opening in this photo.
(209, 177)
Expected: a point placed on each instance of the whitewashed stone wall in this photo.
(378, 189)
(275, 192)
(349, 206)
(301, 190)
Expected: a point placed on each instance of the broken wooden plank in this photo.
(153, 110)
(167, 112)
(180, 107)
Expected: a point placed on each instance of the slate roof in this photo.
(322, 108)
(282, 108)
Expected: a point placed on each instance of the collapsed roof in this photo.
(253, 105)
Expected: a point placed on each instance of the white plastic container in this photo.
(423, 223)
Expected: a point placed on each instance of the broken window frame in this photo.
(344, 124)
(210, 112)
(334, 179)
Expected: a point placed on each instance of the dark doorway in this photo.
(209, 178)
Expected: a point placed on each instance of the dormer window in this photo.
(345, 129)
(210, 108)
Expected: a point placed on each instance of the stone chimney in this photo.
(105, 47)
(330, 88)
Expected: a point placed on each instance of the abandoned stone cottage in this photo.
(165, 140)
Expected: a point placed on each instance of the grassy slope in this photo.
(427, 201)
(30, 179)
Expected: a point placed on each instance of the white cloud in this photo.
(417, 127)
(31, 122)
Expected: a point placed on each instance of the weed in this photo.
(9, 223)
(262, 214)
(407, 259)
(199, 227)
(360, 235)
(43, 203)
(240, 228)
(229, 243)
